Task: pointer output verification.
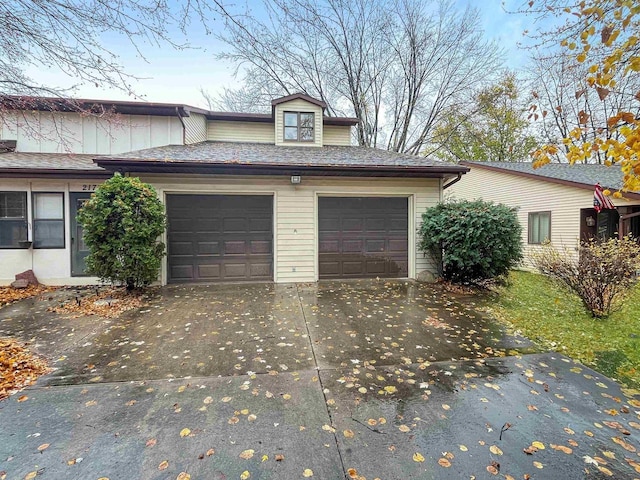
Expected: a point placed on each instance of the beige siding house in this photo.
(280, 197)
(554, 202)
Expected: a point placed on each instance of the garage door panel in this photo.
(372, 241)
(181, 248)
(208, 248)
(181, 271)
(209, 271)
(375, 246)
(220, 237)
(259, 247)
(351, 246)
(329, 246)
(397, 246)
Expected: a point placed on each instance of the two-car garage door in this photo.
(213, 238)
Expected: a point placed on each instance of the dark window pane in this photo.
(290, 133)
(12, 232)
(306, 134)
(13, 204)
(48, 233)
(291, 119)
(306, 120)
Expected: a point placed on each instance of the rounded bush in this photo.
(122, 222)
(472, 240)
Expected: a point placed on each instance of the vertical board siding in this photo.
(46, 132)
(250, 132)
(298, 105)
(195, 128)
(337, 135)
(530, 195)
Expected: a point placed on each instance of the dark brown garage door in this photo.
(363, 237)
(217, 238)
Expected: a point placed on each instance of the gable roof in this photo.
(577, 175)
(260, 158)
(298, 96)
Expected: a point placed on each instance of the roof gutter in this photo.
(455, 180)
(245, 169)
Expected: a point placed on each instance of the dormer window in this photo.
(299, 127)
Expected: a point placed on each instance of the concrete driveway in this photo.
(388, 380)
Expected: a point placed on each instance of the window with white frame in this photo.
(299, 127)
(13, 219)
(539, 227)
(48, 220)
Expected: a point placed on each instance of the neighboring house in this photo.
(555, 202)
(278, 197)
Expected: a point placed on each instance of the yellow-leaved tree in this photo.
(604, 35)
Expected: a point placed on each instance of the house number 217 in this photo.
(89, 188)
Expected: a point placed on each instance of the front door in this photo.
(79, 250)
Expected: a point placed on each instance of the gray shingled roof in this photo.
(48, 161)
(609, 177)
(268, 154)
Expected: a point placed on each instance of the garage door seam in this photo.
(317, 367)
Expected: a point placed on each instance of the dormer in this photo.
(298, 120)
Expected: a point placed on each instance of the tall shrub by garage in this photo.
(472, 240)
(122, 222)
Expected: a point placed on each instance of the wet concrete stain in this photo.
(367, 379)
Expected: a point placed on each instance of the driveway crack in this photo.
(322, 389)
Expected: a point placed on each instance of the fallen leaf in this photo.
(30, 475)
(163, 465)
(530, 450)
(417, 457)
(538, 445)
(404, 428)
(247, 454)
(151, 442)
(43, 447)
(538, 465)
(495, 450)
(492, 470)
(279, 457)
(606, 471)
(463, 448)
(183, 476)
(23, 398)
(627, 446)
(184, 432)
(352, 472)
(561, 448)
(390, 389)
(307, 473)
(245, 475)
(348, 433)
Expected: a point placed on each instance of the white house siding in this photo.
(298, 105)
(295, 216)
(254, 132)
(41, 132)
(51, 266)
(337, 135)
(195, 128)
(530, 195)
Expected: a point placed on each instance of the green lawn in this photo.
(557, 320)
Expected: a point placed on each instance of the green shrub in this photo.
(122, 222)
(472, 240)
(601, 274)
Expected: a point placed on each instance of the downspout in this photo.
(444, 187)
(184, 127)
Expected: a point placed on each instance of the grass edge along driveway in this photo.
(556, 319)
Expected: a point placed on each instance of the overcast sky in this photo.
(174, 76)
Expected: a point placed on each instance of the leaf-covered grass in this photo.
(557, 320)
